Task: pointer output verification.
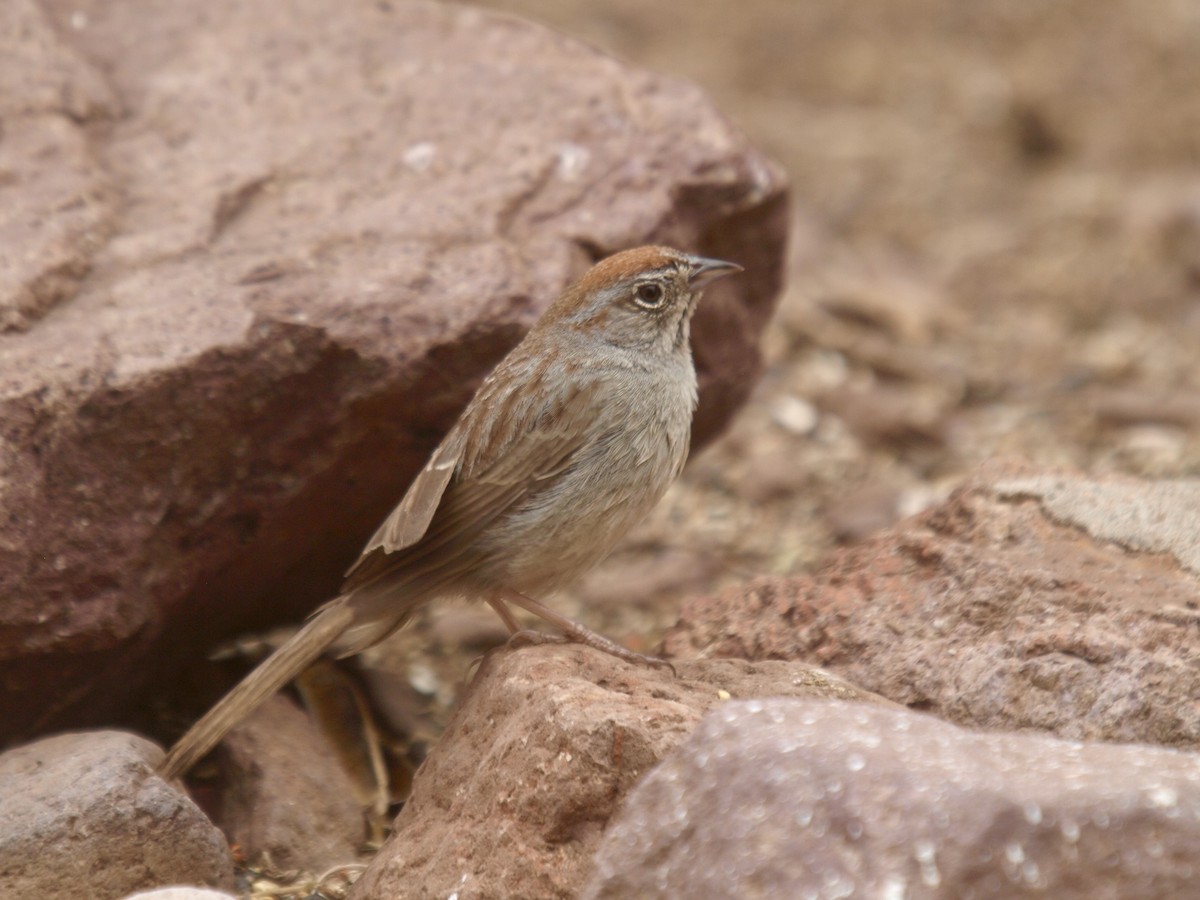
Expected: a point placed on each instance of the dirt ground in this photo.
(996, 253)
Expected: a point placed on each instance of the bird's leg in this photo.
(571, 629)
(518, 635)
(505, 614)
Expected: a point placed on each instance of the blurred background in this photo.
(996, 252)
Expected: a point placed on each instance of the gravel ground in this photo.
(996, 253)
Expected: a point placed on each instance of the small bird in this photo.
(569, 442)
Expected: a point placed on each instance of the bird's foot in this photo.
(572, 631)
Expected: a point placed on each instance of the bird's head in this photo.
(639, 299)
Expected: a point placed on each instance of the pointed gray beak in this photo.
(706, 270)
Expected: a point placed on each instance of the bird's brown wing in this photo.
(407, 523)
(471, 480)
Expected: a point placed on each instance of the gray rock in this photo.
(1148, 517)
(84, 815)
(826, 799)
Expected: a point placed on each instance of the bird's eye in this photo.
(649, 295)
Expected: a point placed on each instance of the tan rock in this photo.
(513, 800)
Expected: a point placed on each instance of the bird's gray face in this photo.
(650, 309)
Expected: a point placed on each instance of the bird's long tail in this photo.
(272, 674)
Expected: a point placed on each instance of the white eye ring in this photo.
(649, 295)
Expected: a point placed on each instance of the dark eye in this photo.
(648, 295)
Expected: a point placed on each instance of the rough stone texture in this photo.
(56, 205)
(84, 815)
(282, 793)
(994, 610)
(513, 799)
(253, 260)
(789, 798)
(1155, 517)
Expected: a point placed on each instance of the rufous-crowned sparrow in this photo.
(566, 445)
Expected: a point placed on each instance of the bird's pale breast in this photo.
(637, 444)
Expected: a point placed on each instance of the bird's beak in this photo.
(707, 270)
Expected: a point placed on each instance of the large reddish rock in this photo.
(256, 257)
(513, 800)
(1028, 599)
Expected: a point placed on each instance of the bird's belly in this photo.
(567, 529)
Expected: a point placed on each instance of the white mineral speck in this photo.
(423, 679)
(893, 888)
(924, 851)
(572, 160)
(1029, 872)
(794, 415)
(1070, 830)
(1162, 797)
(837, 887)
(420, 156)
(926, 855)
